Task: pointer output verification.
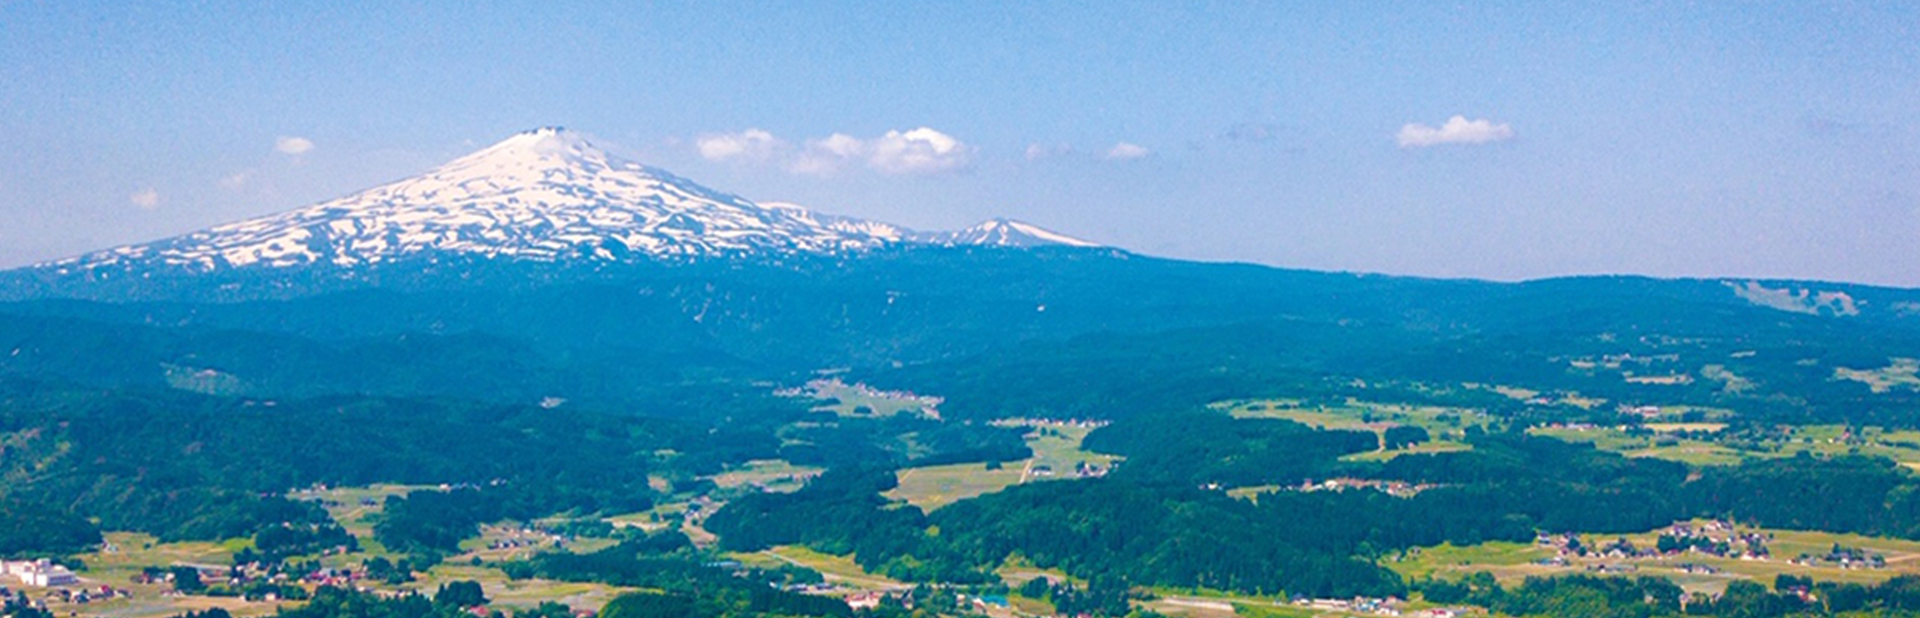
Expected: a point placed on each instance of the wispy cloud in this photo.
(292, 145)
(147, 198)
(825, 156)
(1124, 151)
(919, 151)
(237, 180)
(1457, 130)
(1038, 151)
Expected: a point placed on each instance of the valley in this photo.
(541, 381)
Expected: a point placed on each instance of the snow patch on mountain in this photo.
(543, 195)
(1010, 233)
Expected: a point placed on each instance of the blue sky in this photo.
(1670, 139)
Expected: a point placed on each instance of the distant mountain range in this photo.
(547, 195)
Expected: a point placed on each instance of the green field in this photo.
(1511, 562)
(769, 474)
(125, 554)
(857, 400)
(525, 593)
(1055, 448)
(1901, 373)
(1825, 440)
(1436, 446)
(933, 487)
(1686, 450)
(1445, 425)
(348, 505)
(836, 569)
(1440, 422)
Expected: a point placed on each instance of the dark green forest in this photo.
(187, 407)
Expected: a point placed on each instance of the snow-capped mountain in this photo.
(543, 195)
(1008, 233)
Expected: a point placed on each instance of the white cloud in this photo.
(1457, 130)
(751, 144)
(292, 145)
(1123, 151)
(919, 151)
(145, 198)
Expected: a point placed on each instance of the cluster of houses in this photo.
(1714, 538)
(76, 596)
(42, 573)
(1389, 606)
(1081, 470)
(89, 594)
(1845, 558)
(1054, 423)
(308, 574)
(1398, 489)
(523, 537)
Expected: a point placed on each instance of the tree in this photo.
(1036, 588)
(461, 594)
(1404, 436)
(187, 579)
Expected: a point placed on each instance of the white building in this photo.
(39, 573)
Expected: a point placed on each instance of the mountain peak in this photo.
(538, 149)
(546, 195)
(1004, 232)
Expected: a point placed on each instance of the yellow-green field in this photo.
(1511, 562)
(1689, 427)
(1686, 450)
(125, 554)
(1445, 425)
(350, 505)
(932, 487)
(836, 569)
(858, 401)
(1439, 421)
(1901, 373)
(1827, 440)
(769, 474)
(1436, 446)
(525, 593)
(1055, 447)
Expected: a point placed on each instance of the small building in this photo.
(864, 600)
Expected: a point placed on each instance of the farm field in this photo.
(770, 474)
(1354, 414)
(1056, 454)
(125, 554)
(836, 569)
(1824, 440)
(1445, 425)
(859, 400)
(525, 593)
(1901, 373)
(355, 507)
(1512, 562)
